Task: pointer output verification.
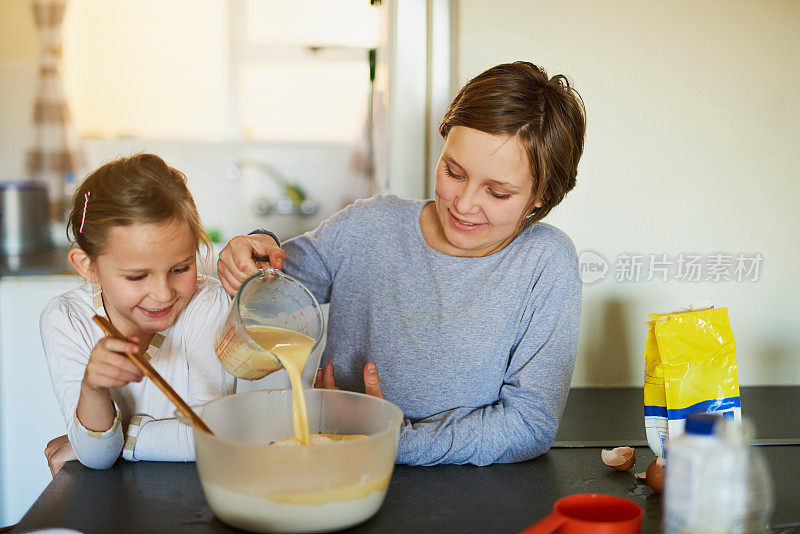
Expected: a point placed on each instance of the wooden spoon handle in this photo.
(153, 375)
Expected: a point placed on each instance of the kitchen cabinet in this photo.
(29, 413)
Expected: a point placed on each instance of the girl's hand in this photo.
(58, 452)
(108, 367)
(372, 386)
(236, 263)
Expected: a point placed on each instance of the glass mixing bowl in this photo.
(256, 485)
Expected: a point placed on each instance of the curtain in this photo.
(54, 156)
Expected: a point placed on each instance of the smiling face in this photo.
(148, 273)
(483, 189)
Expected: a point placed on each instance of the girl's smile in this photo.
(148, 273)
(155, 314)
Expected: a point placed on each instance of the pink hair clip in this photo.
(85, 204)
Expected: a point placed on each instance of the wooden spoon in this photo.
(153, 375)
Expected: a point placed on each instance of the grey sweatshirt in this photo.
(477, 352)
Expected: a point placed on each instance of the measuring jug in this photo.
(268, 298)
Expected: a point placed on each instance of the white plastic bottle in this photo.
(714, 481)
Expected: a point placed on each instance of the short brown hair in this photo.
(547, 115)
(139, 189)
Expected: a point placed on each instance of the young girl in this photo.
(466, 303)
(136, 232)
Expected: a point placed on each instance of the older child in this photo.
(468, 304)
(136, 232)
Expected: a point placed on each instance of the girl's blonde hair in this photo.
(139, 189)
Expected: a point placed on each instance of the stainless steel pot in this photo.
(24, 227)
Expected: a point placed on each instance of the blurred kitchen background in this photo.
(281, 113)
(264, 105)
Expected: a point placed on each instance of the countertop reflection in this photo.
(50, 262)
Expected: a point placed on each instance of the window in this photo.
(216, 69)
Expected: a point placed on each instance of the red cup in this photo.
(591, 513)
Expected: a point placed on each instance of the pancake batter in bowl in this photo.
(317, 439)
(292, 350)
(319, 509)
(264, 514)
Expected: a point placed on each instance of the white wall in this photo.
(693, 126)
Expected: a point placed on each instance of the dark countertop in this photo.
(54, 262)
(503, 498)
(589, 410)
(51, 262)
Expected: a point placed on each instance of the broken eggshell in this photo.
(619, 458)
(655, 475)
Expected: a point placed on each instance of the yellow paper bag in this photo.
(690, 366)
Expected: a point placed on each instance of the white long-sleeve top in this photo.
(144, 428)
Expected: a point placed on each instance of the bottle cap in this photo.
(701, 423)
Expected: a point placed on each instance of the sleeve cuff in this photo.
(134, 427)
(266, 232)
(95, 434)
